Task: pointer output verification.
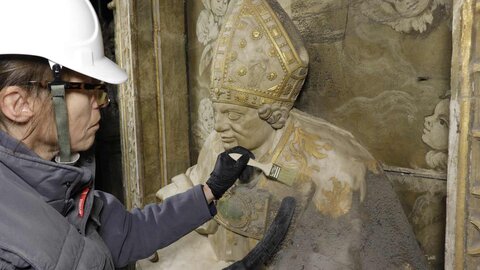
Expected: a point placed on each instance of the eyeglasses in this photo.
(99, 90)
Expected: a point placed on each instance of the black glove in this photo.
(248, 171)
(227, 171)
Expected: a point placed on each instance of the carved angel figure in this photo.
(402, 15)
(208, 25)
(435, 135)
(204, 126)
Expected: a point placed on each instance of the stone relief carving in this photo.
(435, 135)
(321, 21)
(425, 214)
(350, 50)
(374, 50)
(204, 125)
(258, 69)
(423, 194)
(207, 28)
(384, 109)
(208, 25)
(403, 15)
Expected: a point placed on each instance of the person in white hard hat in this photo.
(52, 66)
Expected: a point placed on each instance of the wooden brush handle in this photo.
(264, 167)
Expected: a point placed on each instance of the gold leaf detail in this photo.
(242, 25)
(272, 76)
(307, 142)
(256, 34)
(241, 97)
(243, 43)
(233, 56)
(275, 32)
(302, 147)
(272, 52)
(224, 40)
(242, 71)
(337, 201)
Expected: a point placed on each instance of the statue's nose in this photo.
(221, 124)
(428, 121)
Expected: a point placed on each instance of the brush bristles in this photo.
(286, 176)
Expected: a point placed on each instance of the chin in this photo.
(227, 146)
(83, 146)
(425, 138)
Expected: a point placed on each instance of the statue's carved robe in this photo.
(347, 215)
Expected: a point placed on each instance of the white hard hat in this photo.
(66, 32)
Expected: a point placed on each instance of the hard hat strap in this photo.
(61, 118)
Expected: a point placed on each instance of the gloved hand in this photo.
(227, 171)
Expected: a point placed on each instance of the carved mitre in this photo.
(257, 60)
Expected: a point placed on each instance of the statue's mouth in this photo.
(228, 139)
(426, 129)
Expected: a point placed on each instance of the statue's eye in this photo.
(233, 115)
(443, 122)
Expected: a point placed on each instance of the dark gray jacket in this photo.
(41, 226)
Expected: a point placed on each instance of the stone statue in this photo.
(435, 134)
(347, 215)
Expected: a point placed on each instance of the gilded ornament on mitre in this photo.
(270, 63)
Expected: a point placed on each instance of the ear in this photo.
(15, 104)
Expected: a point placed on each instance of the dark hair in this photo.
(18, 70)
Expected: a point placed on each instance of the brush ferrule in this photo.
(275, 171)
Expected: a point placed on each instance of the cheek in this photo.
(426, 137)
(48, 128)
(77, 121)
(81, 136)
(438, 137)
(439, 130)
(262, 133)
(252, 133)
(44, 122)
(79, 117)
(79, 111)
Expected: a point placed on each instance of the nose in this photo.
(221, 123)
(428, 121)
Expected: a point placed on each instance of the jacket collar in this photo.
(55, 183)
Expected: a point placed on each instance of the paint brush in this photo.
(271, 170)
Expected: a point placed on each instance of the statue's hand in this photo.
(227, 171)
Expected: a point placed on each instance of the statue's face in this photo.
(435, 132)
(239, 125)
(219, 7)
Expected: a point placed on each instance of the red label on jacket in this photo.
(81, 203)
